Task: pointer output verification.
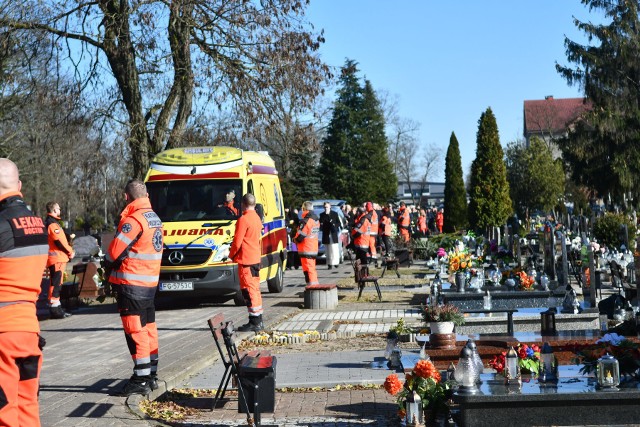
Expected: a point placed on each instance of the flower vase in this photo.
(441, 327)
(460, 280)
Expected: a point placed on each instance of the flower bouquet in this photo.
(626, 351)
(528, 359)
(460, 262)
(426, 381)
(527, 283)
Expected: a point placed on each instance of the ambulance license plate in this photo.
(176, 286)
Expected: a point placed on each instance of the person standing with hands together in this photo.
(246, 252)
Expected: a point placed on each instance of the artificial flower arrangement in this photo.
(626, 351)
(425, 380)
(528, 359)
(527, 283)
(460, 262)
(442, 313)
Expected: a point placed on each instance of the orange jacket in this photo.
(439, 219)
(386, 225)
(404, 219)
(59, 248)
(361, 232)
(136, 250)
(373, 217)
(23, 256)
(307, 235)
(231, 208)
(246, 248)
(422, 224)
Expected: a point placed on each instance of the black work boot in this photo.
(153, 383)
(136, 385)
(58, 313)
(255, 325)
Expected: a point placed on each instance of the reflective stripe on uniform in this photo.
(148, 257)
(6, 303)
(132, 276)
(124, 239)
(307, 254)
(26, 251)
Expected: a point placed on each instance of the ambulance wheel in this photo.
(276, 284)
(238, 299)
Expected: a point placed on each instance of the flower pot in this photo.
(442, 327)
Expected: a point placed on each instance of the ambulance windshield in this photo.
(196, 200)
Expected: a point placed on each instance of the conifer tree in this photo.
(603, 151)
(304, 183)
(489, 200)
(455, 194)
(354, 164)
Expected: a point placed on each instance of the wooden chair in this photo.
(362, 277)
(390, 263)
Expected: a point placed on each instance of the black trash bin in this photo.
(257, 377)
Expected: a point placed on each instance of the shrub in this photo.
(607, 229)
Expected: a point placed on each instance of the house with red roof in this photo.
(551, 119)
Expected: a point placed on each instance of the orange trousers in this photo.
(56, 272)
(140, 330)
(20, 363)
(250, 287)
(405, 234)
(309, 268)
(372, 245)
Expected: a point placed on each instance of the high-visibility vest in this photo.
(246, 247)
(386, 225)
(361, 232)
(59, 248)
(422, 224)
(307, 235)
(136, 250)
(404, 220)
(23, 256)
(374, 223)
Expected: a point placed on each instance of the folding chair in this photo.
(224, 332)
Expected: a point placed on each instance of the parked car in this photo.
(318, 208)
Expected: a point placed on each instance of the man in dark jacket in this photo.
(331, 228)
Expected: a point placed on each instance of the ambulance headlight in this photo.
(223, 252)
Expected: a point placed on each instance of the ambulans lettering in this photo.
(29, 224)
(193, 232)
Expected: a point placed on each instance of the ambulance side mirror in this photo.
(260, 211)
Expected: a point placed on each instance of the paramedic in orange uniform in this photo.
(134, 259)
(60, 253)
(246, 251)
(307, 241)
(373, 230)
(23, 256)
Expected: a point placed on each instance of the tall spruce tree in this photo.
(489, 200)
(603, 151)
(373, 160)
(455, 195)
(354, 164)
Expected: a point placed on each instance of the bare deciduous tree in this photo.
(168, 57)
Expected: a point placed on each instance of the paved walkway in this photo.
(86, 360)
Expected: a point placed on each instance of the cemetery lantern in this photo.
(548, 360)
(436, 285)
(608, 372)
(466, 372)
(512, 368)
(413, 408)
(548, 322)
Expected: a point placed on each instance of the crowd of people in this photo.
(370, 229)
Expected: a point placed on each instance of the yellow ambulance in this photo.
(197, 192)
